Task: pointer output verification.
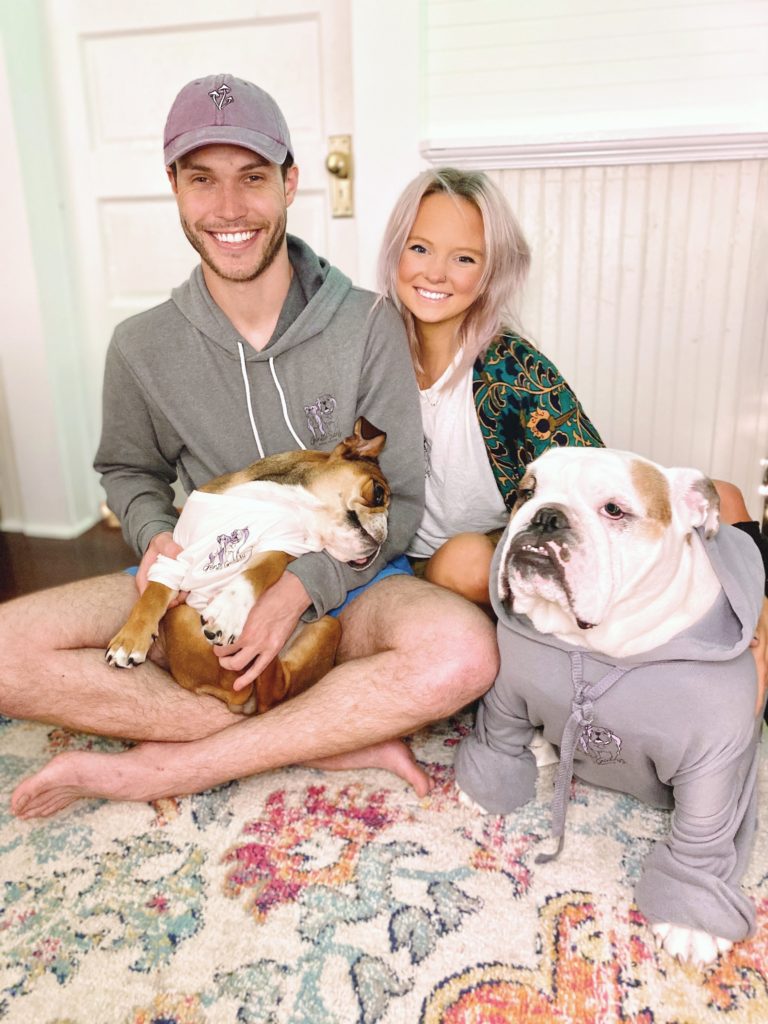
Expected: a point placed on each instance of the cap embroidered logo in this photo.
(221, 97)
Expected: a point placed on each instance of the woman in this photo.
(453, 261)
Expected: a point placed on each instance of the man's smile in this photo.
(233, 237)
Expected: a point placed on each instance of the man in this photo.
(265, 348)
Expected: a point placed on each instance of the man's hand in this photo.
(760, 652)
(161, 544)
(269, 624)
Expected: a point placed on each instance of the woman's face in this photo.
(438, 276)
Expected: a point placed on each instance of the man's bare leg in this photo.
(54, 670)
(391, 755)
(411, 653)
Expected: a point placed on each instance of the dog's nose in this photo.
(550, 519)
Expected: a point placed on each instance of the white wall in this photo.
(558, 68)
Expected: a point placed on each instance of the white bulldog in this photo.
(625, 619)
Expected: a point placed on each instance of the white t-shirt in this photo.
(220, 532)
(461, 491)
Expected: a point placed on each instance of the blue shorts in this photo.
(400, 566)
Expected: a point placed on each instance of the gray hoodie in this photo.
(674, 727)
(186, 396)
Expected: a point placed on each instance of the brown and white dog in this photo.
(336, 501)
(625, 619)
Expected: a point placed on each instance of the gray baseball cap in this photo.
(224, 109)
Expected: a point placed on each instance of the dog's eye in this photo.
(524, 493)
(612, 510)
(374, 494)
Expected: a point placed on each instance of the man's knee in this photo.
(442, 642)
(465, 655)
(450, 650)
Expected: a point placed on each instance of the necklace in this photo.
(432, 395)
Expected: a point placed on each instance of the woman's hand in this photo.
(269, 625)
(760, 653)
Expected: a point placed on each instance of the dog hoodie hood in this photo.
(674, 727)
(721, 634)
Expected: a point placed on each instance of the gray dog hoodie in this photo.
(674, 727)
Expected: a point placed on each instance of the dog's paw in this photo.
(467, 800)
(543, 750)
(224, 618)
(689, 945)
(128, 648)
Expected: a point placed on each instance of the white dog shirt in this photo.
(220, 532)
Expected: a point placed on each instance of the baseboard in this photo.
(52, 531)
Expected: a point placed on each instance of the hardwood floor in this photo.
(33, 563)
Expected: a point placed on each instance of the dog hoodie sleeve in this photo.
(494, 765)
(692, 877)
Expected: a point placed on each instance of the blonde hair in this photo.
(507, 256)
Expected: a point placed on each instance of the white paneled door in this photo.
(117, 68)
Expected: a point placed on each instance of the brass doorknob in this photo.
(338, 164)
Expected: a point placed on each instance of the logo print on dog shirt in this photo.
(231, 549)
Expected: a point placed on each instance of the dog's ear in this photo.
(696, 499)
(367, 442)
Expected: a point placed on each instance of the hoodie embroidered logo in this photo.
(221, 97)
(320, 419)
(602, 745)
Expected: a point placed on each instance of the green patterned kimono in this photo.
(524, 407)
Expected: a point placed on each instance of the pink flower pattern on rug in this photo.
(274, 864)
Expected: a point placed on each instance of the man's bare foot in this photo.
(391, 756)
(134, 774)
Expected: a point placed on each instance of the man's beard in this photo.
(271, 248)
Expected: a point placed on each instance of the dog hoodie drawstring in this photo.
(280, 392)
(582, 715)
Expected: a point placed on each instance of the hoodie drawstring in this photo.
(250, 405)
(582, 715)
(296, 437)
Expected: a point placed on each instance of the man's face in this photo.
(232, 204)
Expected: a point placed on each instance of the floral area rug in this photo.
(308, 898)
